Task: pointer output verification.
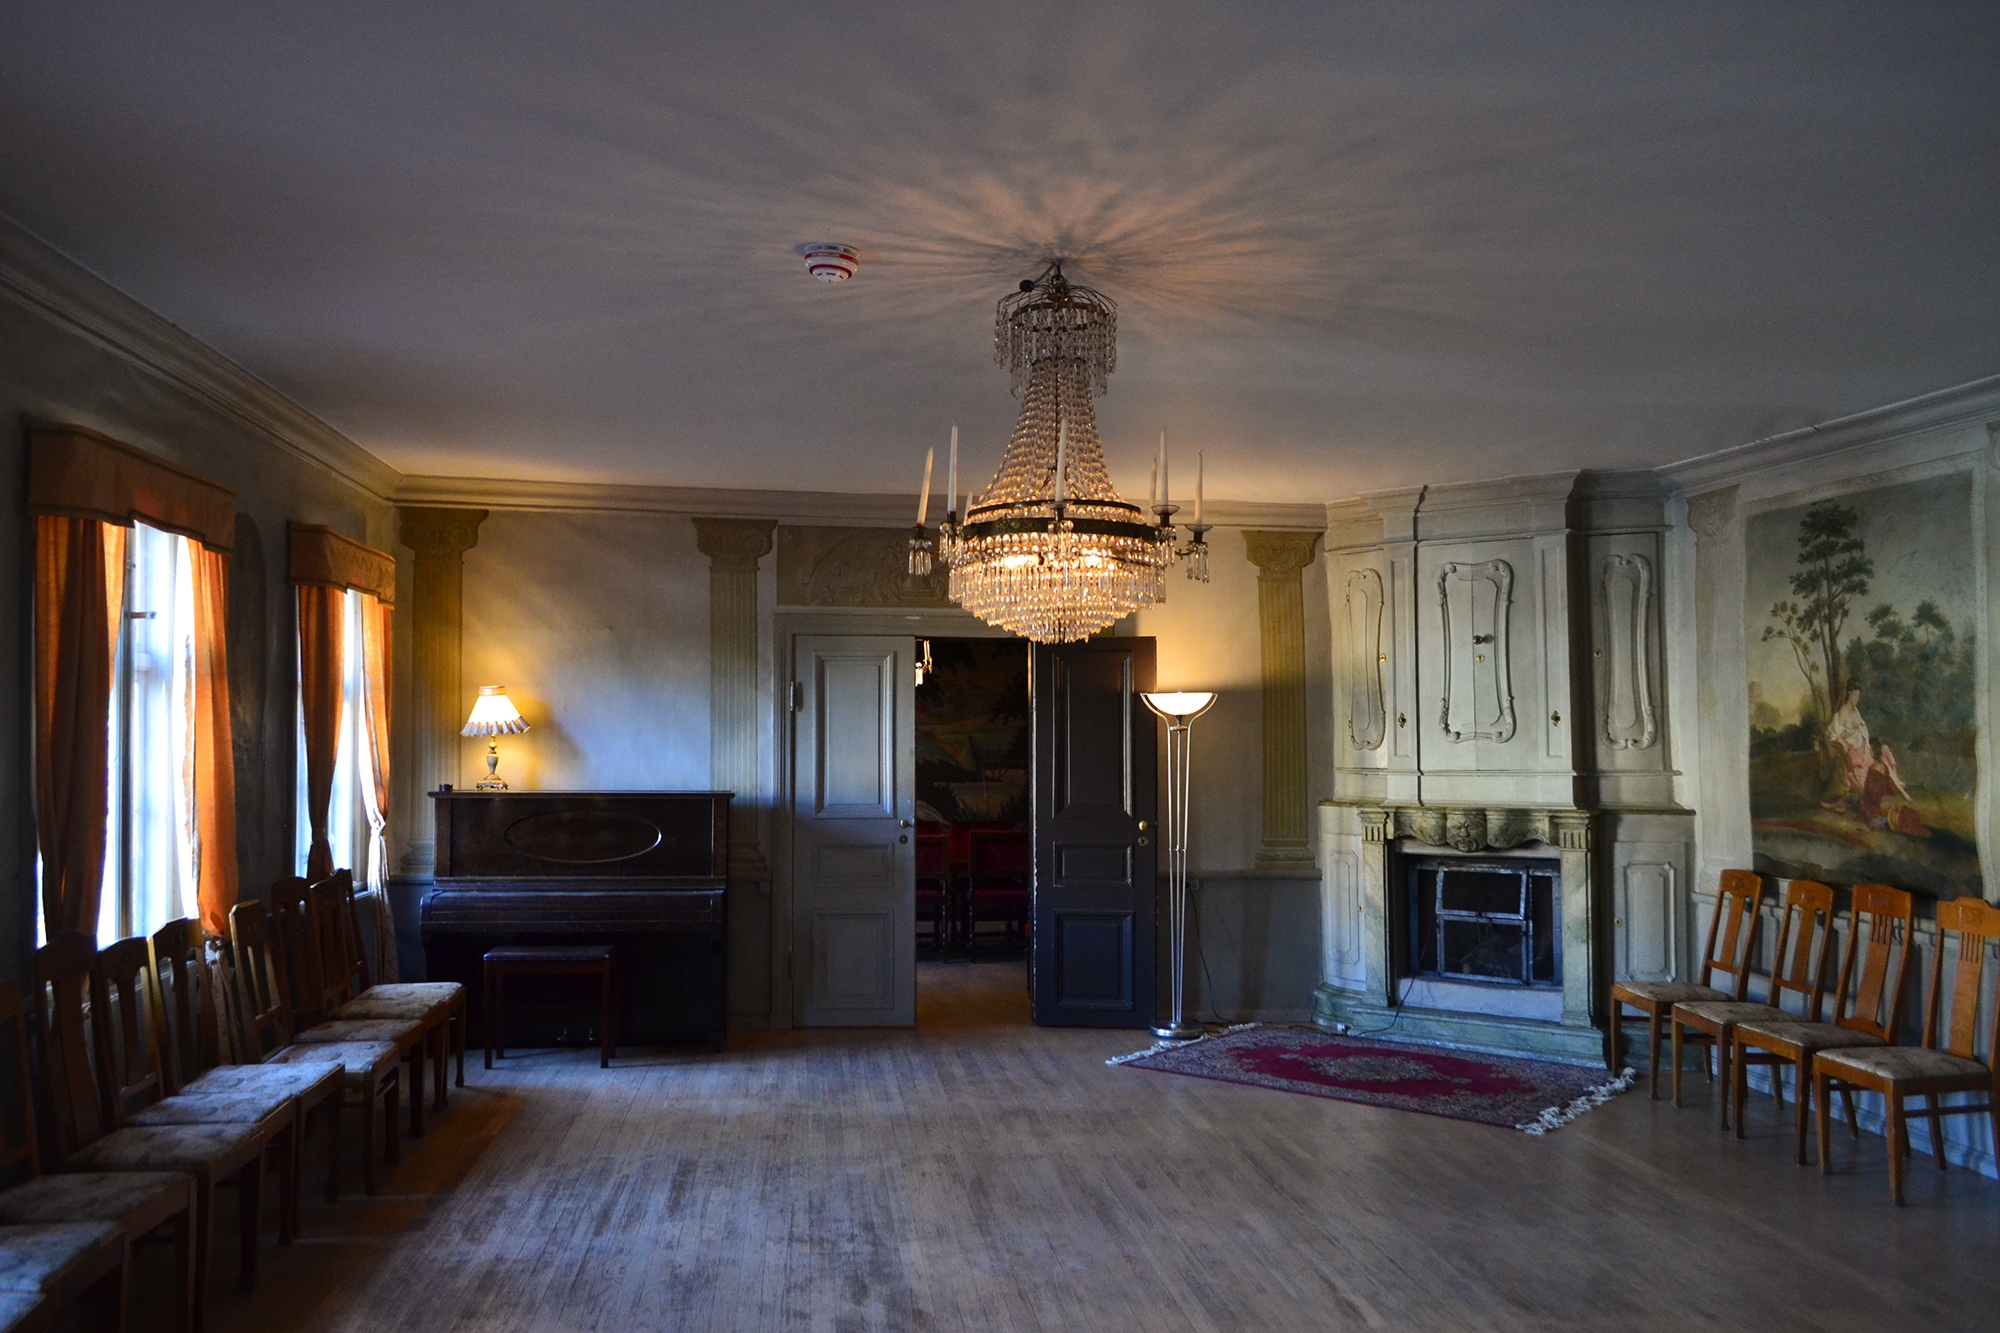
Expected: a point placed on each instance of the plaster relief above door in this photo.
(1367, 719)
(1625, 584)
(1474, 602)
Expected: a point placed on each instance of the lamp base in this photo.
(1180, 1032)
(490, 784)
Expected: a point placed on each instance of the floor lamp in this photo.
(1180, 710)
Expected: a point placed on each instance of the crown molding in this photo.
(830, 507)
(41, 278)
(1973, 403)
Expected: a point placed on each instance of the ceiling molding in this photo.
(43, 279)
(1976, 403)
(836, 507)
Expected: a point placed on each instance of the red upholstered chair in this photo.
(934, 886)
(997, 884)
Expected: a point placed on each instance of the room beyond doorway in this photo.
(973, 759)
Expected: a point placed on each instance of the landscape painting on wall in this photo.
(1862, 616)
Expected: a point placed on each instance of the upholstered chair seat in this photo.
(52, 1256)
(1901, 1063)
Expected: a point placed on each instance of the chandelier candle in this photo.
(1049, 550)
(924, 496)
(951, 480)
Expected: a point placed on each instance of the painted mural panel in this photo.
(1862, 615)
(973, 740)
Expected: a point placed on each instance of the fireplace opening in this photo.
(1494, 921)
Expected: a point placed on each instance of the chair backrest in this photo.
(933, 856)
(1732, 931)
(62, 999)
(997, 854)
(125, 1055)
(1869, 997)
(1976, 925)
(260, 978)
(185, 1020)
(1803, 961)
(360, 977)
(332, 909)
(17, 1118)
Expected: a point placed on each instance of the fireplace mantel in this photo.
(1365, 901)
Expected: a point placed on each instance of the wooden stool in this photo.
(548, 960)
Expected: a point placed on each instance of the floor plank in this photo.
(980, 1173)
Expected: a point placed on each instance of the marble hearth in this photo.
(1366, 907)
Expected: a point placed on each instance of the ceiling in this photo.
(1353, 245)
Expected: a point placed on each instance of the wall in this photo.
(74, 351)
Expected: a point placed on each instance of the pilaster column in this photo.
(440, 538)
(1281, 617)
(733, 547)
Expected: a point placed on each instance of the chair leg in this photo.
(184, 1253)
(1653, 1048)
(333, 1110)
(1804, 1107)
(1897, 1143)
(1853, 1120)
(416, 1065)
(392, 1142)
(458, 1018)
(438, 1042)
(1724, 1069)
(369, 1147)
(204, 1245)
(1823, 1110)
(108, 1297)
(1937, 1129)
(1739, 1082)
(250, 1196)
(1679, 1037)
(288, 1182)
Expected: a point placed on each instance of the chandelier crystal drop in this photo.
(1049, 550)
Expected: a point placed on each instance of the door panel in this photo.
(1096, 761)
(853, 865)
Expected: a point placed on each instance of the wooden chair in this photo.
(1867, 1006)
(344, 970)
(996, 884)
(1800, 962)
(1732, 942)
(934, 886)
(1947, 1062)
(88, 1138)
(189, 1047)
(369, 1069)
(313, 995)
(139, 1090)
(432, 1001)
(48, 1267)
(139, 1203)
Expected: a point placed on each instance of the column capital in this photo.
(734, 543)
(1709, 514)
(438, 533)
(1280, 555)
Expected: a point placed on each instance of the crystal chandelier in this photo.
(1049, 550)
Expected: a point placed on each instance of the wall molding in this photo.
(1974, 403)
(41, 278)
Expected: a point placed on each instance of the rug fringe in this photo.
(1159, 1046)
(1555, 1117)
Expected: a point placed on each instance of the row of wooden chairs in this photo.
(155, 1106)
(1852, 1046)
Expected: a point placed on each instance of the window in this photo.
(149, 870)
(348, 826)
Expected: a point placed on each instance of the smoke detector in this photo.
(830, 262)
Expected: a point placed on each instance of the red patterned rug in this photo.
(1531, 1095)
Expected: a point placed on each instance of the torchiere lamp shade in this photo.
(1180, 705)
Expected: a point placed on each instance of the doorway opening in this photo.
(974, 857)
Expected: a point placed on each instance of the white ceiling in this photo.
(1353, 245)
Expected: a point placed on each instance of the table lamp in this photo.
(493, 714)
(1180, 709)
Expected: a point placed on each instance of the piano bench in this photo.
(549, 960)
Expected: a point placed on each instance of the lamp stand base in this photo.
(490, 784)
(1180, 1032)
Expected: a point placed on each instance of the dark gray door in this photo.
(1096, 834)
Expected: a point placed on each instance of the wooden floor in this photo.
(979, 1173)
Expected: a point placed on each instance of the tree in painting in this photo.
(1869, 771)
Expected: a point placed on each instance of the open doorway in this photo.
(974, 855)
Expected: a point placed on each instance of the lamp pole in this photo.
(1179, 710)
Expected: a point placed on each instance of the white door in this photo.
(853, 802)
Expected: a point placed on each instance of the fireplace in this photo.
(1491, 921)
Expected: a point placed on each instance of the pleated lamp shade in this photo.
(494, 714)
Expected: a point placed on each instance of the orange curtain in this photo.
(213, 743)
(322, 630)
(375, 620)
(79, 605)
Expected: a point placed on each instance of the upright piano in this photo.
(644, 871)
